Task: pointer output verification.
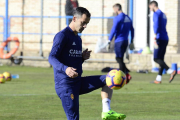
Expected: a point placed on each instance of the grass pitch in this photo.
(32, 97)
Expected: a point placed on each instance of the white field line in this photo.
(26, 94)
(145, 92)
(140, 92)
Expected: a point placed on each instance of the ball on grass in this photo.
(7, 76)
(2, 78)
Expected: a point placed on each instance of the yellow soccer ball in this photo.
(7, 76)
(115, 79)
(2, 79)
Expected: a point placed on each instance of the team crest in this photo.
(72, 96)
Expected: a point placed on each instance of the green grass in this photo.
(32, 97)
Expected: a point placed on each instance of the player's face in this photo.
(151, 7)
(115, 10)
(81, 23)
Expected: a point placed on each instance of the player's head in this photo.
(153, 5)
(81, 18)
(117, 7)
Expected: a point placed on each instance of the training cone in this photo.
(146, 51)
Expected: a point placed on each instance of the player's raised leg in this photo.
(91, 83)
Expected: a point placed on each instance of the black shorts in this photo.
(120, 48)
(160, 52)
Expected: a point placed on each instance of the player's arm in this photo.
(131, 45)
(113, 30)
(112, 33)
(156, 23)
(58, 44)
(156, 28)
(132, 32)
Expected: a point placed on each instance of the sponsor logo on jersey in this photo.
(75, 53)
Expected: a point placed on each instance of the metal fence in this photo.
(67, 23)
(43, 33)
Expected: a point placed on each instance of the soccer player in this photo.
(67, 58)
(122, 25)
(160, 41)
(70, 6)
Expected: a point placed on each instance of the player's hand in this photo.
(86, 54)
(108, 47)
(155, 44)
(71, 72)
(131, 46)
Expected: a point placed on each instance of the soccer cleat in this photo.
(173, 74)
(112, 115)
(128, 78)
(156, 82)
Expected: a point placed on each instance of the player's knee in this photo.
(159, 61)
(120, 60)
(155, 60)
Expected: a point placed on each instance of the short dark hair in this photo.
(154, 2)
(80, 11)
(118, 6)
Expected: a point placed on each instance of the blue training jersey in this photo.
(66, 52)
(122, 25)
(160, 22)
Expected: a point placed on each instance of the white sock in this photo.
(170, 71)
(106, 105)
(158, 78)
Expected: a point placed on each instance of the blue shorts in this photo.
(160, 52)
(69, 95)
(120, 48)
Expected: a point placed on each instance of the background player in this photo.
(161, 41)
(67, 58)
(70, 6)
(122, 25)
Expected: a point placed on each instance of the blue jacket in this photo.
(122, 25)
(160, 22)
(66, 52)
